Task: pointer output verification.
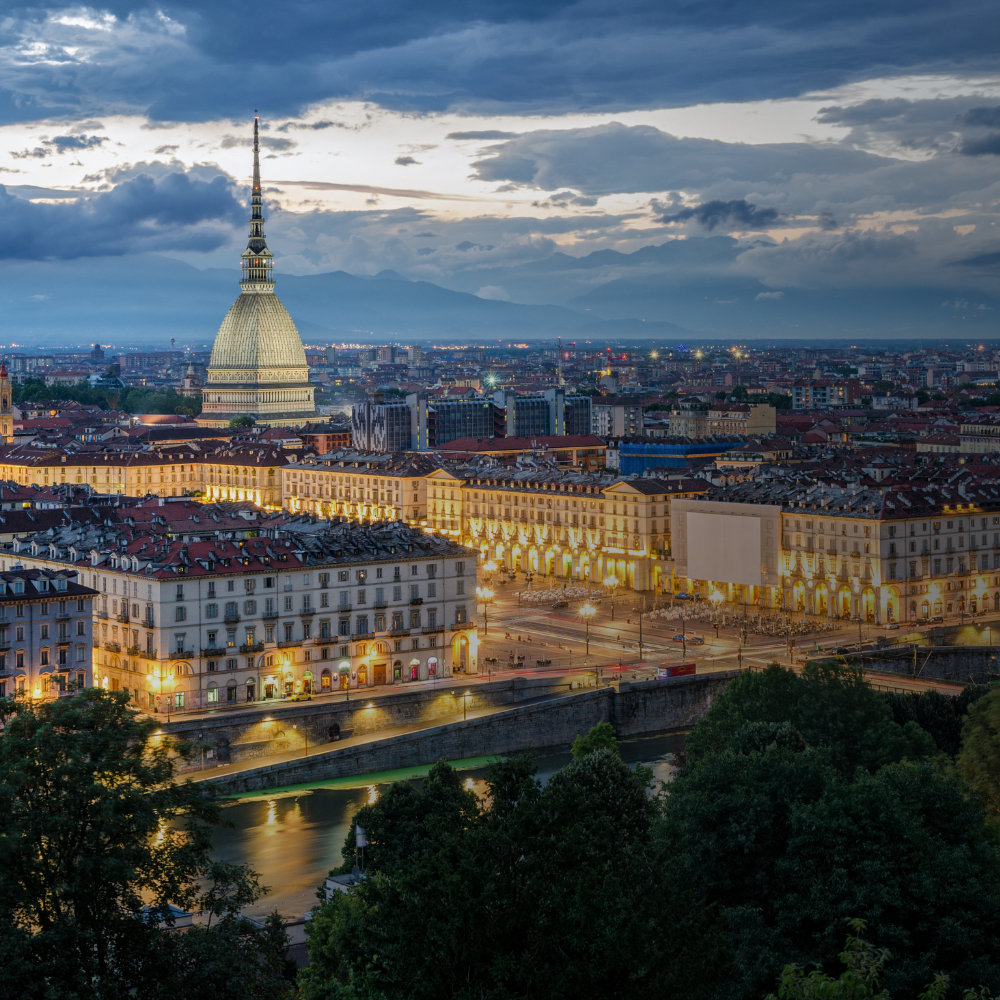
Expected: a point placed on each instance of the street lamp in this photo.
(716, 599)
(485, 595)
(611, 583)
(640, 612)
(587, 612)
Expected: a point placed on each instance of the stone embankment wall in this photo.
(637, 708)
(236, 737)
(957, 664)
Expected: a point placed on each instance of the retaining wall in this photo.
(652, 706)
(958, 664)
(261, 732)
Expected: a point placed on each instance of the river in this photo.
(293, 837)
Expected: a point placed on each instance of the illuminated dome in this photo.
(258, 333)
(258, 368)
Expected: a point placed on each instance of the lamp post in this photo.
(611, 583)
(640, 613)
(465, 703)
(716, 599)
(485, 595)
(587, 612)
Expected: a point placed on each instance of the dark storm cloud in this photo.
(174, 212)
(738, 214)
(987, 145)
(989, 117)
(190, 61)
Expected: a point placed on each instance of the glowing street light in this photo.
(485, 595)
(612, 584)
(587, 612)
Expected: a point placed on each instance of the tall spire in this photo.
(257, 260)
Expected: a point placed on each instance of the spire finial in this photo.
(257, 259)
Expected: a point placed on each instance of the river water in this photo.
(294, 837)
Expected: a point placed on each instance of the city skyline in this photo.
(785, 186)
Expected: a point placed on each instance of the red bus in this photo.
(675, 670)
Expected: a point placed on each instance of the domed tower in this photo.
(258, 368)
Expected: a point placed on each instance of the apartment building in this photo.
(812, 394)
(250, 472)
(45, 631)
(202, 625)
(619, 417)
(885, 556)
(362, 487)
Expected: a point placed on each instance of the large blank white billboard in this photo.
(724, 548)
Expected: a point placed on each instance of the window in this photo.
(344, 626)
(460, 615)
(81, 605)
(342, 575)
(180, 592)
(268, 582)
(231, 663)
(211, 610)
(460, 569)
(414, 619)
(81, 652)
(288, 631)
(230, 585)
(378, 573)
(212, 666)
(288, 604)
(361, 597)
(45, 657)
(180, 613)
(211, 588)
(397, 593)
(81, 628)
(44, 632)
(178, 699)
(414, 591)
(362, 625)
(460, 587)
(249, 607)
(414, 570)
(431, 570)
(213, 693)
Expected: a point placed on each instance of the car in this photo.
(683, 597)
(889, 626)
(561, 604)
(695, 640)
(842, 649)
(938, 618)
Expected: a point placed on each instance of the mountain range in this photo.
(676, 290)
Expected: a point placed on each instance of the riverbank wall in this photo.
(260, 732)
(633, 709)
(955, 664)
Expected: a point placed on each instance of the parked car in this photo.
(691, 640)
(561, 604)
(889, 626)
(938, 618)
(683, 597)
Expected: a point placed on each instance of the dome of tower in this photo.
(258, 333)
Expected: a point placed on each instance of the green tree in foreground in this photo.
(978, 761)
(541, 893)
(97, 842)
(600, 737)
(238, 422)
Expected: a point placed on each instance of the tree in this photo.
(779, 401)
(98, 842)
(787, 847)
(238, 422)
(739, 394)
(978, 760)
(830, 704)
(545, 893)
(600, 737)
(721, 394)
(922, 396)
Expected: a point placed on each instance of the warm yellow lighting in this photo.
(717, 597)
(587, 611)
(369, 705)
(611, 581)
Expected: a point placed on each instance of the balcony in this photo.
(458, 626)
(416, 600)
(113, 647)
(344, 609)
(147, 654)
(148, 623)
(231, 617)
(252, 647)
(270, 614)
(122, 617)
(133, 650)
(214, 651)
(101, 614)
(431, 629)
(181, 654)
(397, 632)
(285, 643)
(381, 604)
(65, 616)
(363, 637)
(4, 646)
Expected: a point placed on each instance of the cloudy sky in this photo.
(447, 141)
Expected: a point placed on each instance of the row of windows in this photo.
(62, 657)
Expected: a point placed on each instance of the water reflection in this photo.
(294, 840)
